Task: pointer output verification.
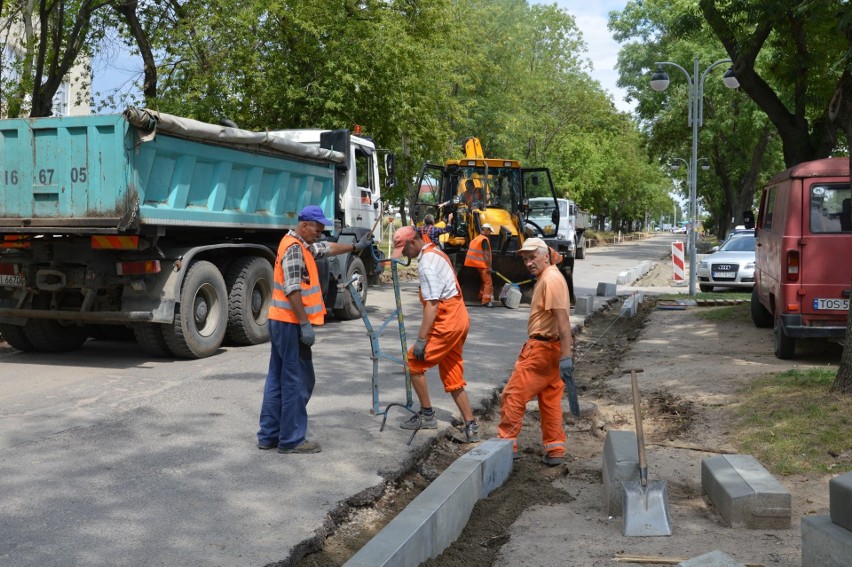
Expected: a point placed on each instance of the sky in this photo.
(591, 17)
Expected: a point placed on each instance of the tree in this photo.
(48, 38)
(735, 136)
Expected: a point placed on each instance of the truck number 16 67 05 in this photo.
(44, 176)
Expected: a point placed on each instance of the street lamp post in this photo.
(659, 82)
(705, 165)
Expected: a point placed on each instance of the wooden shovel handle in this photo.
(640, 434)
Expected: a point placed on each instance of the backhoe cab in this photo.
(463, 194)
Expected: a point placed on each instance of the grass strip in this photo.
(794, 424)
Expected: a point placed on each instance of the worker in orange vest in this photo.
(479, 257)
(297, 307)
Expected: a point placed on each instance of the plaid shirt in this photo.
(432, 231)
(293, 262)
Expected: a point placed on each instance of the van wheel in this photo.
(760, 316)
(785, 346)
(249, 285)
(201, 317)
(350, 309)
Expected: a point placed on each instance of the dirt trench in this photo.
(599, 348)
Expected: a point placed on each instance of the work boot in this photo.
(304, 448)
(267, 446)
(420, 421)
(552, 461)
(489, 305)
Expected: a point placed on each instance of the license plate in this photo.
(12, 281)
(717, 275)
(832, 304)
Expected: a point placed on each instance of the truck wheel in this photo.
(201, 317)
(15, 336)
(580, 253)
(151, 340)
(785, 346)
(249, 284)
(53, 336)
(349, 309)
(760, 316)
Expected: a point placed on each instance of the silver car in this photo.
(732, 265)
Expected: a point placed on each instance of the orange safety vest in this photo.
(555, 257)
(475, 257)
(281, 310)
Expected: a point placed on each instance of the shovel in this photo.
(645, 504)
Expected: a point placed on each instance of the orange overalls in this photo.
(446, 339)
(536, 373)
(475, 258)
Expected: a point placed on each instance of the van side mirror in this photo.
(748, 219)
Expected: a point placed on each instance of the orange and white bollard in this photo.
(677, 262)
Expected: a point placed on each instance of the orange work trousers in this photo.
(536, 375)
(445, 343)
(486, 288)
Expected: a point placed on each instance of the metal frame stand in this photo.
(376, 350)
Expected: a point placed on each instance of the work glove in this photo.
(566, 371)
(364, 242)
(420, 349)
(306, 335)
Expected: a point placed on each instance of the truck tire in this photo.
(15, 336)
(760, 316)
(151, 340)
(201, 317)
(350, 309)
(785, 345)
(249, 284)
(580, 253)
(53, 336)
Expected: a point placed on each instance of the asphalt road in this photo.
(111, 458)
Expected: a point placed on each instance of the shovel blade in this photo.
(646, 508)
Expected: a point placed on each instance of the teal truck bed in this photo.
(164, 225)
(103, 174)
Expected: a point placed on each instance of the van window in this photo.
(830, 208)
(769, 208)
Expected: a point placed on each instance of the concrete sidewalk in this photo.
(174, 478)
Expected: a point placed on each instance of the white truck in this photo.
(572, 222)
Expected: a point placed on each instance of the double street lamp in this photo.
(659, 82)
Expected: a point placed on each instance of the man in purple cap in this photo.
(297, 306)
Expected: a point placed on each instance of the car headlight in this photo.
(704, 264)
(749, 266)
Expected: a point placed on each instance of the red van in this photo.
(803, 264)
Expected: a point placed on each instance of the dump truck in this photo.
(572, 223)
(465, 193)
(168, 227)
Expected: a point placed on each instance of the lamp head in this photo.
(660, 79)
(730, 79)
(675, 165)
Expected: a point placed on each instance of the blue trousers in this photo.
(289, 385)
